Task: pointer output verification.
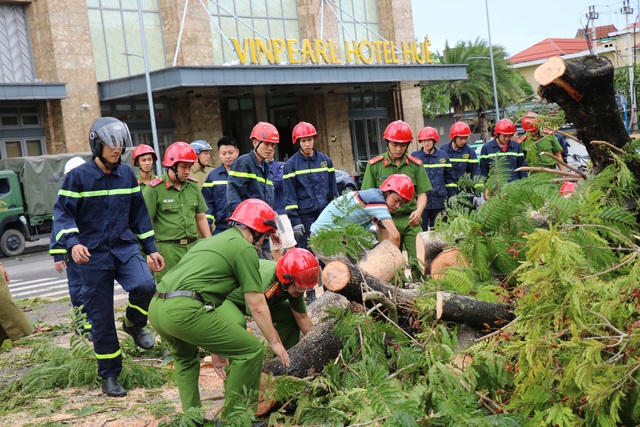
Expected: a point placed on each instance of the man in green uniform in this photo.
(534, 143)
(144, 157)
(201, 167)
(184, 309)
(407, 218)
(176, 207)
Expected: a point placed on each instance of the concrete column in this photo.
(196, 45)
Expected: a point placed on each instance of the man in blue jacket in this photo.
(438, 167)
(309, 183)
(503, 146)
(464, 160)
(214, 189)
(102, 220)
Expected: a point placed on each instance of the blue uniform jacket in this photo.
(277, 173)
(438, 168)
(463, 160)
(514, 156)
(309, 185)
(214, 191)
(104, 212)
(248, 180)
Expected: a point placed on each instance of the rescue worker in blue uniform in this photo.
(214, 189)
(438, 168)
(464, 159)
(502, 146)
(62, 261)
(249, 176)
(102, 220)
(309, 183)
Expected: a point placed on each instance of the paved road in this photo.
(33, 275)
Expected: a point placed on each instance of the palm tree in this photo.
(477, 91)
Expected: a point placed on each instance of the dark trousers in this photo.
(429, 218)
(74, 280)
(307, 220)
(97, 294)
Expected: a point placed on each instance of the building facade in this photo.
(216, 68)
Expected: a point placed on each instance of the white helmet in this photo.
(72, 163)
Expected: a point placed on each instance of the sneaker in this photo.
(166, 356)
(140, 336)
(112, 387)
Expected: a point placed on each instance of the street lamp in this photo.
(493, 70)
(152, 113)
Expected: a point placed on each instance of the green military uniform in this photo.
(379, 169)
(141, 183)
(13, 323)
(213, 268)
(532, 149)
(280, 304)
(173, 213)
(198, 174)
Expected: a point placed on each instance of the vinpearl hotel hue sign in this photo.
(272, 51)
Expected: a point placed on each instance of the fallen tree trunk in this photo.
(479, 314)
(383, 262)
(352, 282)
(449, 258)
(428, 247)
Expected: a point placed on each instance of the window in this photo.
(364, 11)
(270, 19)
(115, 29)
(21, 147)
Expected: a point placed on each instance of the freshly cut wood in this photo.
(428, 246)
(483, 315)
(318, 347)
(350, 281)
(384, 261)
(553, 71)
(449, 258)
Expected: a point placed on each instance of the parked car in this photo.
(345, 181)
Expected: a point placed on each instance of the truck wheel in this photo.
(12, 242)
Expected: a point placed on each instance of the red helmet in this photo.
(141, 150)
(504, 126)
(400, 184)
(568, 188)
(459, 129)
(298, 267)
(398, 131)
(530, 122)
(303, 130)
(428, 133)
(179, 152)
(266, 132)
(255, 214)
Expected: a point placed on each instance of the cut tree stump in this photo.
(383, 262)
(449, 258)
(479, 314)
(428, 247)
(584, 90)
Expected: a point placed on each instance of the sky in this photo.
(515, 24)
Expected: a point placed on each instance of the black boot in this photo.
(139, 335)
(112, 387)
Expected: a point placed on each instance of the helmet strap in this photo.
(174, 169)
(256, 236)
(110, 166)
(255, 150)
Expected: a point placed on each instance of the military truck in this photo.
(28, 190)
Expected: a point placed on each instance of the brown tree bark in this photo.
(428, 247)
(473, 312)
(584, 90)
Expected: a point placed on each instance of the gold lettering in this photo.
(348, 52)
(321, 50)
(265, 49)
(241, 52)
(394, 57)
(252, 51)
(361, 47)
(278, 48)
(409, 52)
(378, 45)
(426, 49)
(291, 50)
(421, 57)
(307, 51)
(332, 53)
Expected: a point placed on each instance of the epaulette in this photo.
(192, 179)
(156, 182)
(521, 139)
(415, 160)
(375, 160)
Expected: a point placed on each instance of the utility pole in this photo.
(591, 16)
(628, 10)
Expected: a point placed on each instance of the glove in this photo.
(298, 230)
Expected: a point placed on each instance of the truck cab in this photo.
(13, 224)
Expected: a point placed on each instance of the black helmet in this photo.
(110, 132)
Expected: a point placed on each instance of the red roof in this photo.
(602, 32)
(548, 48)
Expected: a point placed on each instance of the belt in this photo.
(186, 241)
(188, 294)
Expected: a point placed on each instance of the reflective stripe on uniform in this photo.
(108, 356)
(57, 251)
(66, 231)
(145, 235)
(99, 193)
(290, 207)
(502, 153)
(306, 171)
(458, 160)
(212, 183)
(135, 307)
(250, 176)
